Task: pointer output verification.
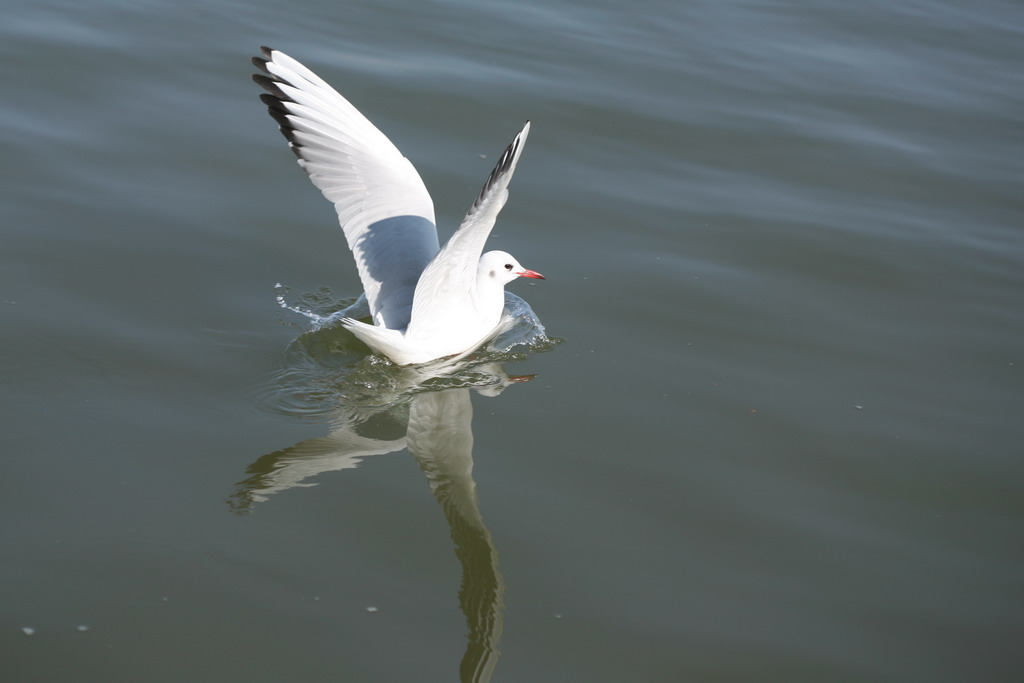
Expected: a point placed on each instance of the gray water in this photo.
(776, 434)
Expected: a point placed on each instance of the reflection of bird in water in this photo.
(441, 440)
(439, 435)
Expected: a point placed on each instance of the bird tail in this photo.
(380, 339)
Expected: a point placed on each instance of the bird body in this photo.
(426, 301)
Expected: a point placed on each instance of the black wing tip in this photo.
(505, 161)
(261, 62)
(268, 80)
(268, 83)
(507, 158)
(275, 99)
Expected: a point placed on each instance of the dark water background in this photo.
(783, 437)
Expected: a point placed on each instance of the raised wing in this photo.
(382, 204)
(451, 275)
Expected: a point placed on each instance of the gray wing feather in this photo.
(384, 209)
(451, 275)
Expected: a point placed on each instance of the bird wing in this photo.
(450, 278)
(383, 206)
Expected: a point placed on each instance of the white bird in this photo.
(426, 302)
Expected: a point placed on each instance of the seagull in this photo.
(426, 302)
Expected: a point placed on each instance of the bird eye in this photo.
(508, 266)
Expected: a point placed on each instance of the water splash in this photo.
(327, 368)
(321, 307)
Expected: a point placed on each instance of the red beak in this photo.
(531, 273)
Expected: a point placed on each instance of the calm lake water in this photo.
(776, 434)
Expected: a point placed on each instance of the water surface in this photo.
(780, 441)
